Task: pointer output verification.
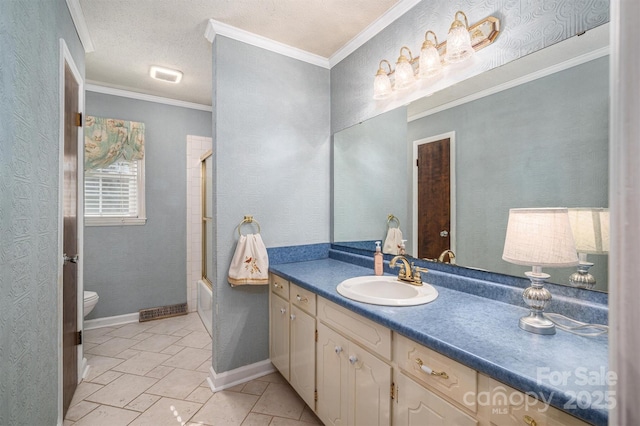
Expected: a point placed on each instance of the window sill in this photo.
(114, 221)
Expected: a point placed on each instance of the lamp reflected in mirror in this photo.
(590, 227)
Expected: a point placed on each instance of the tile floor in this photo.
(154, 373)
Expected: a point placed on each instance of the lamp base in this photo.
(536, 323)
(582, 278)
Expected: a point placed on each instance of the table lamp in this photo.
(590, 227)
(539, 237)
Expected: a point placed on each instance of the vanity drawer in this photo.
(304, 299)
(512, 407)
(456, 381)
(372, 336)
(280, 286)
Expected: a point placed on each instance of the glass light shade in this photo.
(540, 237)
(430, 65)
(404, 71)
(459, 46)
(382, 83)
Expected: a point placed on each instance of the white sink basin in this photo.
(387, 291)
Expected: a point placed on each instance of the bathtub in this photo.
(205, 304)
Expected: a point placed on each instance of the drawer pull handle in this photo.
(338, 349)
(283, 311)
(430, 371)
(293, 316)
(530, 421)
(302, 299)
(353, 359)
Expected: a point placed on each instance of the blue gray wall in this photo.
(526, 26)
(29, 169)
(541, 144)
(144, 266)
(271, 147)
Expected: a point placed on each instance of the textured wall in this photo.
(370, 171)
(144, 266)
(271, 149)
(541, 144)
(29, 141)
(526, 26)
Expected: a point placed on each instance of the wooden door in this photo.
(434, 203)
(302, 358)
(70, 241)
(332, 374)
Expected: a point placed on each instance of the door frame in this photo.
(66, 58)
(452, 182)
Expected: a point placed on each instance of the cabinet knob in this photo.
(293, 316)
(353, 359)
(430, 371)
(338, 349)
(283, 311)
(302, 299)
(530, 421)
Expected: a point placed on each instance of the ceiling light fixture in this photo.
(459, 42)
(405, 76)
(430, 62)
(382, 83)
(165, 74)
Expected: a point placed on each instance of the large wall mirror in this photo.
(540, 140)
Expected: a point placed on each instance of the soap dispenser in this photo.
(377, 260)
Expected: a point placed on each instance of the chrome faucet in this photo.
(444, 253)
(408, 272)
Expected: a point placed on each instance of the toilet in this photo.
(90, 300)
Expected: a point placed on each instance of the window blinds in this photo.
(112, 191)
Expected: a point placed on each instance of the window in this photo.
(114, 195)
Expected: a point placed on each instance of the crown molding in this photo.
(77, 16)
(219, 28)
(371, 30)
(578, 60)
(144, 97)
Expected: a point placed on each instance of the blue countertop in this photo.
(565, 370)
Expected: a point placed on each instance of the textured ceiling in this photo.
(131, 35)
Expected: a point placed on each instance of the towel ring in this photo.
(392, 218)
(248, 219)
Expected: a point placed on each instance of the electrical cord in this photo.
(576, 327)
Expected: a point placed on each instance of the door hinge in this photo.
(79, 337)
(315, 395)
(78, 119)
(316, 335)
(417, 163)
(393, 393)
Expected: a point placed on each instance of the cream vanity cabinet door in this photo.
(507, 406)
(279, 322)
(302, 357)
(418, 406)
(332, 365)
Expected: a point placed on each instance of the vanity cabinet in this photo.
(292, 329)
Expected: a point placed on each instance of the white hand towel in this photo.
(250, 263)
(393, 241)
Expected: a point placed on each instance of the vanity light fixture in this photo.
(459, 46)
(430, 64)
(405, 76)
(165, 74)
(590, 228)
(539, 238)
(463, 41)
(382, 83)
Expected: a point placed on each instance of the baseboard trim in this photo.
(108, 321)
(228, 379)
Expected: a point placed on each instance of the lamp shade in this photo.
(590, 228)
(540, 237)
(459, 41)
